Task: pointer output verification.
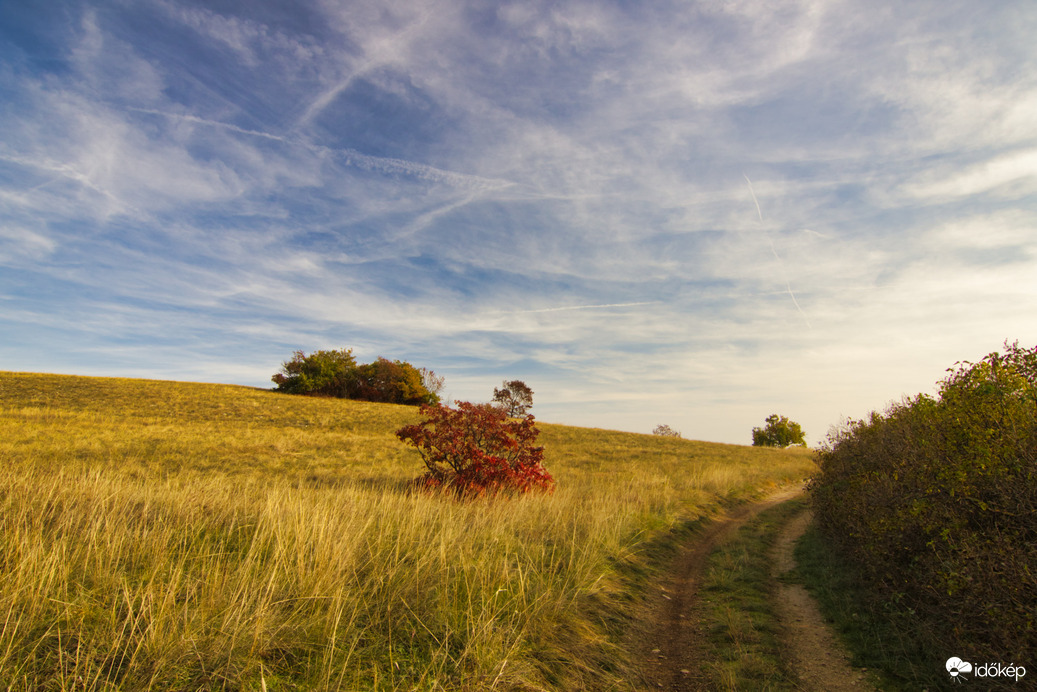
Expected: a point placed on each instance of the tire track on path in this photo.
(679, 650)
(818, 657)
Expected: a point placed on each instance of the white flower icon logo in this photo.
(956, 666)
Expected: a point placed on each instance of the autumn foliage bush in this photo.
(475, 449)
(936, 501)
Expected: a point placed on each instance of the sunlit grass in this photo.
(158, 535)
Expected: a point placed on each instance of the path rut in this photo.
(818, 658)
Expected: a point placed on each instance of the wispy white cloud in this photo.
(250, 40)
(18, 243)
(1013, 174)
(586, 307)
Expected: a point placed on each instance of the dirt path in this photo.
(677, 650)
(817, 656)
(678, 647)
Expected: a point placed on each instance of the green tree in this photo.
(779, 431)
(322, 373)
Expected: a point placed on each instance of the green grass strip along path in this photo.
(746, 651)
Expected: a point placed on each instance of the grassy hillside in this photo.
(191, 536)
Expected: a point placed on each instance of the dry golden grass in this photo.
(160, 535)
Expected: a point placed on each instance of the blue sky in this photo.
(690, 213)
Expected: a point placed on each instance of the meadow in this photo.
(182, 536)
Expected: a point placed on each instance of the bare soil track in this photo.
(817, 657)
(677, 653)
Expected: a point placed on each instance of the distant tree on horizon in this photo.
(665, 431)
(515, 398)
(779, 431)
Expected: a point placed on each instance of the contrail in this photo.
(204, 121)
(328, 96)
(753, 193)
(352, 157)
(784, 275)
(382, 164)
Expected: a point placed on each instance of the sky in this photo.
(687, 213)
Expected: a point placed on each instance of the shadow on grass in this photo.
(381, 484)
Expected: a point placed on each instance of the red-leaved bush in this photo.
(475, 449)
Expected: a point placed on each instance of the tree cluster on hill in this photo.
(336, 373)
(936, 501)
